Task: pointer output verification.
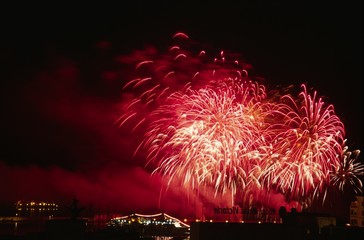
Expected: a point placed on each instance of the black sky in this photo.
(288, 42)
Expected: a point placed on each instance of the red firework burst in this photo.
(209, 124)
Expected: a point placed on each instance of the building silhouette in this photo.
(36, 208)
(357, 212)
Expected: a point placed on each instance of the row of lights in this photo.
(40, 209)
(198, 220)
(146, 222)
(36, 204)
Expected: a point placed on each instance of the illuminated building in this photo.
(357, 212)
(157, 226)
(34, 208)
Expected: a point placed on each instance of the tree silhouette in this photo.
(282, 213)
(75, 209)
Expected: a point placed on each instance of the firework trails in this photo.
(208, 124)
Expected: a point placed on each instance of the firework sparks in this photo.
(209, 124)
(348, 171)
(214, 135)
(307, 141)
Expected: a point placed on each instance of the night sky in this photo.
(61, 83)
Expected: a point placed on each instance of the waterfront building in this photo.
(357, 212)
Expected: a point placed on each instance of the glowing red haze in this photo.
(210, 127)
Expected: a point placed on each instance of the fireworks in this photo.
(208, 124)
(348, 171)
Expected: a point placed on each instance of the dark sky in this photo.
(60, 84)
